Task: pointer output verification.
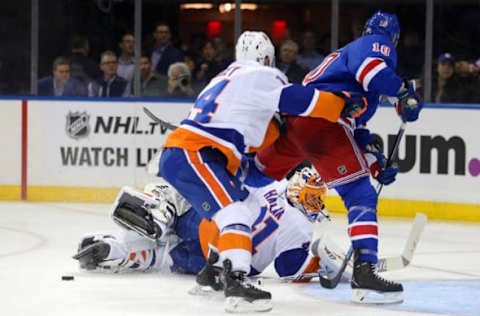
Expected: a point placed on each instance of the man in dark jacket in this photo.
(153, 84)
(82, 67)
(288, 64)
(108, 85)
(61, 84)
(164, 53)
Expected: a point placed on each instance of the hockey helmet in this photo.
(255, 46)
(384, 24)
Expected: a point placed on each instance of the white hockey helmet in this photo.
(255, 46)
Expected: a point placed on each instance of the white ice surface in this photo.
(37, 241)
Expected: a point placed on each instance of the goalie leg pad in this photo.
(138, 221)
(331, 257)
(132, 210)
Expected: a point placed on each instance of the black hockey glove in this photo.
(355, 104)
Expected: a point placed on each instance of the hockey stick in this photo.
(393, 155)
(400, 262)
(333, 282)
(389, 263)
(158, 120)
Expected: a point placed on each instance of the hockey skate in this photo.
(209, 279)
(369, 288)
(241, 296)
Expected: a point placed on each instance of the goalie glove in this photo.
(306, 191)
(409, 102)
(106, 253)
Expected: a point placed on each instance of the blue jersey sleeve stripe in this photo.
(313, 103)
(297, 99)
(368, 70)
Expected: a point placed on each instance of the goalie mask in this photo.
(255, 46)
(306, 191)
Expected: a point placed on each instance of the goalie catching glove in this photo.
(306, 191)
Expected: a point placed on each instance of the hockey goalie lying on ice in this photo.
(160, 230)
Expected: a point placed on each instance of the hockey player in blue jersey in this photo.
(344, 153)
(367, 65)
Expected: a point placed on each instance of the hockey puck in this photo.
(67, 278)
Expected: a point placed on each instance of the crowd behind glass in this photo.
(171, 69)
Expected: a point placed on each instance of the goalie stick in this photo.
(389, 263)
(158, 120)
(333, 282)
(399, 262)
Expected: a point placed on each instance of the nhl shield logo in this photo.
(206, 206)
(342, 169)
(78, 125)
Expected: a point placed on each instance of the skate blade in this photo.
(240, 305)
(364, 296)
(207, 291)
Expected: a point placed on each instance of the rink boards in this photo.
(85, 149)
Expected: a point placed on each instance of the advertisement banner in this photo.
(95, 144)
(108, 144)
(11, 140)
(439, 156)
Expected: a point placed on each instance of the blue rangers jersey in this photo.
(366, 65)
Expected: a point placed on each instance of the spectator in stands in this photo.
(467, 77)
(287, 62)
(82, 67)
(224, 54)
(163, 53)
(61, 84)
(309, 58)
(153, 84)
(126, 62)
(108, 85)
(190, 61)
(208, 66)
(446, 87)
(179, 82)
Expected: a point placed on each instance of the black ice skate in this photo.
(91, 253)
(369, 288)
(240, 295)
(209, 279)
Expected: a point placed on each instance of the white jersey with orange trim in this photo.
(279, 228)
(281, 234)
(234, 110)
